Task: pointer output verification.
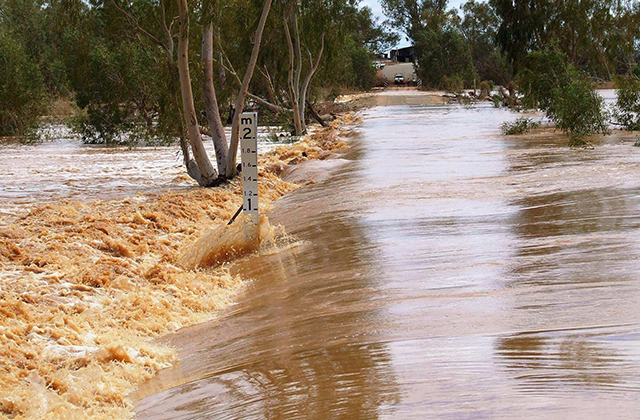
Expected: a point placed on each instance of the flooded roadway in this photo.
(445, 271)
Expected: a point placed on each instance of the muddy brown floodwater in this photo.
(444, 271)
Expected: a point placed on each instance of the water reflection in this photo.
(553, 362)
(574, 275)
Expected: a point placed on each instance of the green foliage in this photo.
(564, 93)
(577, 109)
(122, 93)
(415, 16)
(363, 71)
(542, 73)
(443, 54)
(479, 27)
(376, 38)
(627, 108)
(599, 37)
(453, 84)
(22, 89)
(522, 125)
(486, 86)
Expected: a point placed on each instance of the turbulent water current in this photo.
(444, 271)
(440, 270)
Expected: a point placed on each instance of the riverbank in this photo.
(86, 287)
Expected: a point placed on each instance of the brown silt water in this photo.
(441, 270)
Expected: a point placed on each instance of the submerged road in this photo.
(445, 271)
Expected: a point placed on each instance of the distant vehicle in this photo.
(399, 79)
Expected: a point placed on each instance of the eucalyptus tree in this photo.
(160, 34)
(479, 26)
(414, 16)
(598, 36)
(330, 39)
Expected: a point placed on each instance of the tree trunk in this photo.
(293, 93)
(307, 82)
(208, 174)
(211, 102)
(315, 115)
(271, 107)
(298, 74)
(235, 133)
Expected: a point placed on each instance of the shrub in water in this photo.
(564, 93)
(520, 126)
(486, 86)
(577, 109)
(627, 108)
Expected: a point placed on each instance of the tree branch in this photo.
(244, 88)
(167, 30)
(263, 102)
(135, 24)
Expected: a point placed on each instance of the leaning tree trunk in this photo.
(208, 174)
(244, 88)
(211, 102)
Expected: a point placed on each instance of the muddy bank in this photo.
(86, 286)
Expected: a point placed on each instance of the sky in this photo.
(377, 11)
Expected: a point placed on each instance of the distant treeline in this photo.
(491, 40)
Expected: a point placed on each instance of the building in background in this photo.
(403, 55)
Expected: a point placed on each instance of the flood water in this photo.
(62, 168)
(443, 271)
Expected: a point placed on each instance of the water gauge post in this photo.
(249, 146)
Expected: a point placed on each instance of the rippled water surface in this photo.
(64, 168)
(445, 271)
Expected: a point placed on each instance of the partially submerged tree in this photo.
(566, 94)
(200, 167)
(627, 108)
(298, 87)
(306, 40)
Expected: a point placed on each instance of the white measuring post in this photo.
(249, 146)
